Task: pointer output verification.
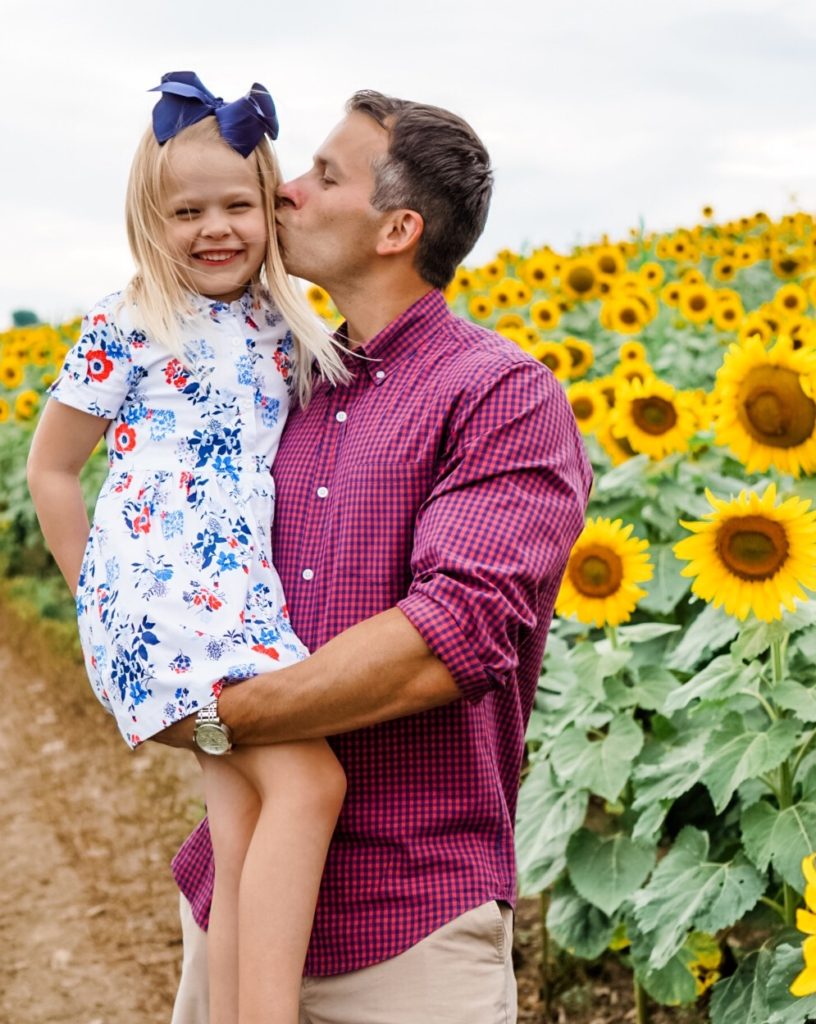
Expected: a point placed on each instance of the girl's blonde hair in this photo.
(159, 288)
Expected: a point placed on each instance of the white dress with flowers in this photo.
(177, 592)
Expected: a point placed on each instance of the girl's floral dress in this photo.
(177, 592)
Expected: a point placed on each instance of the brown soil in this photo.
(87, 829)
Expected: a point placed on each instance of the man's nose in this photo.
(289, 194)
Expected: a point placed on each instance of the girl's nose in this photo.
(215, 225)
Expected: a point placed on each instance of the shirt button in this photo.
(340, 416)
(322, 492)
(380, 374)
(307, 574)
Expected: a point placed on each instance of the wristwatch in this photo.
(211, 735)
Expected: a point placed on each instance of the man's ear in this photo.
(401, 232)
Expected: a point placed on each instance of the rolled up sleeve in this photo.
(492, 540)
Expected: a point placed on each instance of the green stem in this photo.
(785, 779)
(641, 1008)
(544, 966)
(773, 905)
(612, 637)
(769, 708)
(802, 751)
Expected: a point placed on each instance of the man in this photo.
(425, 514)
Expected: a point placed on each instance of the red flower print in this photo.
(99, 366)
(213, 602)
(175, 374)
(141, 522)
(270, 651)
(100, 318)
(125, 437)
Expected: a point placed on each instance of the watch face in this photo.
(211, 738)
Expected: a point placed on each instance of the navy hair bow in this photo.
(186, 101)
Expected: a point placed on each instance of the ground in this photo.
(88, 909)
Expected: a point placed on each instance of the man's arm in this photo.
(374, 671)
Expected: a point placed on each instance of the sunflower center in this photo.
(583, 408)
(551, 361)
(774, 409)
(581, 279)
(654, 415)
(752, 547)
(596, 571)
(628, 316)
(698, 303)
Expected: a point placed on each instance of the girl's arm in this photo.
(63, 442)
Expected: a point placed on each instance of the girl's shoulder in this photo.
(111, 311)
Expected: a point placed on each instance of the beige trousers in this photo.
(460, 974)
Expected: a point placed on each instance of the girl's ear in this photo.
(400, 232)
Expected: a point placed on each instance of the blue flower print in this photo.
(243, 366)
(223, 466)
(172, 524)
(134, 413)
(162, 423)
(227, 561)
(181, 664)
(270, 409)
(139, 692)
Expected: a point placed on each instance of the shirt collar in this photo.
(398, 339)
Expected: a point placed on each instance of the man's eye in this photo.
(327, 181)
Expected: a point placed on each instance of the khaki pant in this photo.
(460, 974)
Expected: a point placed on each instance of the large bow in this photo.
(185, 101)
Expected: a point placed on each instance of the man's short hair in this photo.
(437, 166)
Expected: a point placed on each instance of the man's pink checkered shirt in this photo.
(447, 478)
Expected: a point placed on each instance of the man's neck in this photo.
(370, 310)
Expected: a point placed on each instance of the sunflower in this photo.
(789, 264)
(790, 298)
(632, 369)
(724, 269)
(493, 271)
(670, 293)
(754, 325)
(579, 278)
(752, 554)
(464, 279)
(696, 302)
(4, 410)
(512, 320)
(554, 356)
(609, 261)
(617, 448)
(600, 585)
(505, 293)
(318, 298)
(624, 313)
(545, 314)
(480, 307)
(11, 373)
(536, 271)
(632, 350)
(26, 405)
(588, 405)
(727, 315)
(765, 411)
(653, 274)
(582, 355)
(653, 417)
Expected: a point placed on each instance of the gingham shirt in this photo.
(447, 478)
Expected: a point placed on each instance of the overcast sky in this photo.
(596, 113)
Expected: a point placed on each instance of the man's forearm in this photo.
(375, 671)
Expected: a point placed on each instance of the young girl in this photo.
(189, 373)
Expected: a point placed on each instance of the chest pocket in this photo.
(377, 510)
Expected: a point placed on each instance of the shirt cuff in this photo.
(446, 639)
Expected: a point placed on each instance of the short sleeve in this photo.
(94, 377)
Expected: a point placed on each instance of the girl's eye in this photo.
(239, 206)
(185, 212)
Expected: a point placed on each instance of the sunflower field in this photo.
(667, 814)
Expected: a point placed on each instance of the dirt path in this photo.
(87, 907)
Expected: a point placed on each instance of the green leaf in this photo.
(717, 681)
(623, 477)
(782, 838)
(784, 1008)
(667, 587)
(603, 765)
(741, 998)
(606, 870)
(648, 825)
(643, 631)
(734, 754)
(711, 630)
(676, 983)
(675, 770)
(653, 686)
(797, 698)
(756, 636)
(689, 893)
(576, 925)
(547, 816)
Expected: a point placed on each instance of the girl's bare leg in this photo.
(272, 811)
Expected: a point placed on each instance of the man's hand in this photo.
(180, 734)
